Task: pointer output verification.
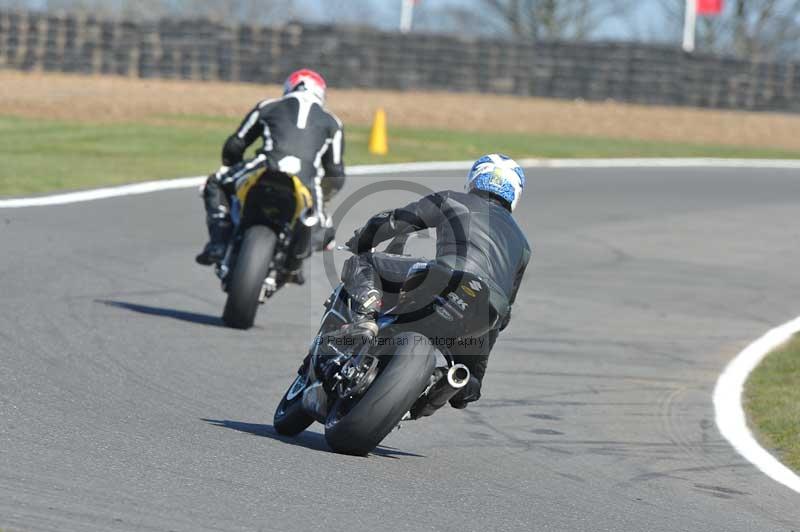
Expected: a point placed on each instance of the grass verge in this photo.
(772, 402)
(43, 156)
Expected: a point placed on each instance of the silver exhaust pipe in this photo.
(445, 387)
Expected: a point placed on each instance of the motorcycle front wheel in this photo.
(290, 418)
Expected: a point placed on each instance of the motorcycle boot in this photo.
(468, 394)
(220, 229)
(297, 276)
(363, 325)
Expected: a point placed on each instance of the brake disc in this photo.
(357, 375)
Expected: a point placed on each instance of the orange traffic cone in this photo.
(378, 143)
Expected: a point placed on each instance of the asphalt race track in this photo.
(125, 405)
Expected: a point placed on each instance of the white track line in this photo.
(729, 412)
(789, 164)
(102, 193)
(189, 182)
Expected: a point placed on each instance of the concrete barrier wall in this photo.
(362, 57)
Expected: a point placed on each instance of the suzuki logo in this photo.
(457, 300)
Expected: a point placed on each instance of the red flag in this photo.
(709, 7)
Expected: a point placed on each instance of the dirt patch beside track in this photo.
(116, 99)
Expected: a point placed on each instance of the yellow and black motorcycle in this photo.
(274, 217)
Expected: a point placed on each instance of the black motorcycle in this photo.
(273, 219)
(361, 390)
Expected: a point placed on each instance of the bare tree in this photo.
(94, 6)
(360, 12)
(461, 17)
(143, 9)
(756, 29)
(13, 4)
(255, 11)
(552, 19)
(768, 28)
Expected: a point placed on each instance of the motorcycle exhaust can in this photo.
(442, 391)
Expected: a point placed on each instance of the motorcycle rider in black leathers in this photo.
(300, 138)
(475, 233)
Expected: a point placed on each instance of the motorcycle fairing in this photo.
(272, 198)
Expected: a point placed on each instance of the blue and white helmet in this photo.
(499, 175)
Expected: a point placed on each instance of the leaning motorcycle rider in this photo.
(300, 137)
(475, 233)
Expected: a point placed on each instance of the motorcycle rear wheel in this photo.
(247, 277)
(357, 426)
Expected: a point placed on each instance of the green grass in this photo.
(772, 401)
(41, 156)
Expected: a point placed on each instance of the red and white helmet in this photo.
(307, 80)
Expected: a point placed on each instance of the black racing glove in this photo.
(357, 244)
(352, 244)
(379, 228)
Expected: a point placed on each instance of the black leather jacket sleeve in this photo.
(333, 158)
(249, 131)
(413, 217)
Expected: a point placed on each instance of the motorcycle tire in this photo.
(290, 418)
(358, 428)
(247, 277)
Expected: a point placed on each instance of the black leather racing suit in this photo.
(300, 137)
(476, 233)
